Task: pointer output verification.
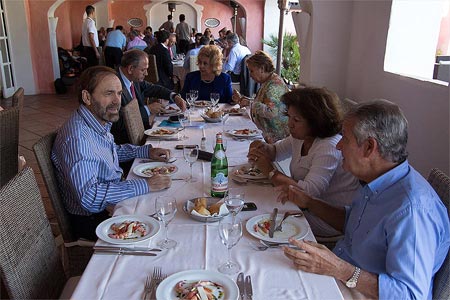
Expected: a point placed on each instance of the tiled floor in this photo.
(41, 115)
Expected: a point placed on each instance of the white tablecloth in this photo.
(199, 245)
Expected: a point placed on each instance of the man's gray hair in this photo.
(385, 122)
(233, 38)
(132, 58)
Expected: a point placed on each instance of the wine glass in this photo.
(214, 97)
(188, 99)
(166, 208)
(194, 95)
(234, 201)
(190, 156)
(230, 233)
(183, 122)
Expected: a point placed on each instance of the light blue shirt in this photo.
(233, 63)
(187, 59)
(116, 39)
(398, 228)
(86, 160)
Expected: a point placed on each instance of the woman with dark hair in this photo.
(314, 121)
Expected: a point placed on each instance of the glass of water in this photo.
(234, 201)
(190, 156)
(214, 97)
(230, 233)
(166, 208)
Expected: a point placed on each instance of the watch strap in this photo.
(351, 283)
(272, 173)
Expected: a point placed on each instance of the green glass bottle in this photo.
(219, 169)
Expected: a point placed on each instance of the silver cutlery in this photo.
(286, 215)
(240, 284)
(273, 220)
(158, 278)
(138, 249)
(170, 160)
(150, 285)
(121, 252)
(147, 287)
(248, 287)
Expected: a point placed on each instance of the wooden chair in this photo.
(441, 184)
(152, 71)
(9, 144)
(76, 252)
(30, 264)
(133, 122)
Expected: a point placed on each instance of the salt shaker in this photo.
(203, 144)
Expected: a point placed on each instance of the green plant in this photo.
(290, 65)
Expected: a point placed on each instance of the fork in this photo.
(150, 283)
(158, 277)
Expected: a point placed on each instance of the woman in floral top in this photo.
(267, 111)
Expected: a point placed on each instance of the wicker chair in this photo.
(152, 70)
(30, 264)
(18, 98)
(9, 144)
(441, 184)
(133, 122)
(76, 252)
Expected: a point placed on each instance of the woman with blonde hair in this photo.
(267, 111)
(209, 78)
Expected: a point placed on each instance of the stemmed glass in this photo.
(183, 122)
(214, 97)
(188, 99)
(190, 156)
(234, 201)
(194, 95)
(230, 233)
(166, 208)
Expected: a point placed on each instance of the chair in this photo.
(347, 104)
(31, 266)
(152, 70)
(78, 251)
(18, 98)
(9, 144)
(441, 184)
(133, 122)
(193, 63)
(248, 87)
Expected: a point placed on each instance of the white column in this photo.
(52, 23)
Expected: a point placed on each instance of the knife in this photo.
(273, 220)
(140, 249)
(240, 283)
(248, 287)
(123, 252)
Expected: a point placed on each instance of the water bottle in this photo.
(219, 170)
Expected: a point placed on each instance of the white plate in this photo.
(104, 228)
(202, 103)
(240, 171)
(292, 227)
(235, 111)
(160, 132)
(211, 120)
(139, 169)
(251, 133)
(169, 112)
(166, 289)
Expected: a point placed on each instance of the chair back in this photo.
(193, 63)
(9, 144)
(441, 284)
(42, 150)
(133, 122)
(152, 70)
(30, 264)
(18, 98)
(248, 87)
(347, 104)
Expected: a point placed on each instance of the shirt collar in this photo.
(389, 178)
(92, 122)
(126, 81)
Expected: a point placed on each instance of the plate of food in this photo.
(127, 229)
(212, 116)
(169, 110)
(161, 132)
(244, 133)
(150, 169)
(199, 284)
(258, 226)
(248, 172)
(235, 111)
(206, 209)
(202, 103)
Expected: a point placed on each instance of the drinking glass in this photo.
(230, 233)
(234, 201)
(190, 156)
(183, 122)
(214, 97)
(188, 99)
(166, 208)
(194, 94)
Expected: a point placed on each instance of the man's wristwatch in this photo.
(351, 283)
(272, 173)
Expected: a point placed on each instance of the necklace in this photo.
(207, 81)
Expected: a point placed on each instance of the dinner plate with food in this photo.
(169, 110)
(198, 284)
(244, 133)
(202, 103)
(152, 168)
(235, 111)
(127, 229)
(258, 227)
(162, 132)
(248, 172)
(206, 209)
(212, 116)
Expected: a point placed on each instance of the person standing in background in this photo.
(114, 46)
(89, 38)
(167, 25)
(183, 31)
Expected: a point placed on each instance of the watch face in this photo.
(350, 284)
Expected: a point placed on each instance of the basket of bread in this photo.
(206, 209)
(212, 115)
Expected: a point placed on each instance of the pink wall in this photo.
(122, 10)
(64, 29)
(444, 35)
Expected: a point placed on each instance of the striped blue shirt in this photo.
(86, 161)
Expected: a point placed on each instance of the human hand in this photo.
(159, 182)
(180, 102)
(236, 97)
(155, 108)
(283, 193)
(159, 154)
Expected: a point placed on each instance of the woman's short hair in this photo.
(214, 55)
(320, 107)
(385, 122)
(263, 60)
(91, 77)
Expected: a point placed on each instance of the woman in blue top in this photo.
(209, 78)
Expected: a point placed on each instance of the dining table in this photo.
(199, 246)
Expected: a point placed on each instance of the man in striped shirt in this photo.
(86, 158)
